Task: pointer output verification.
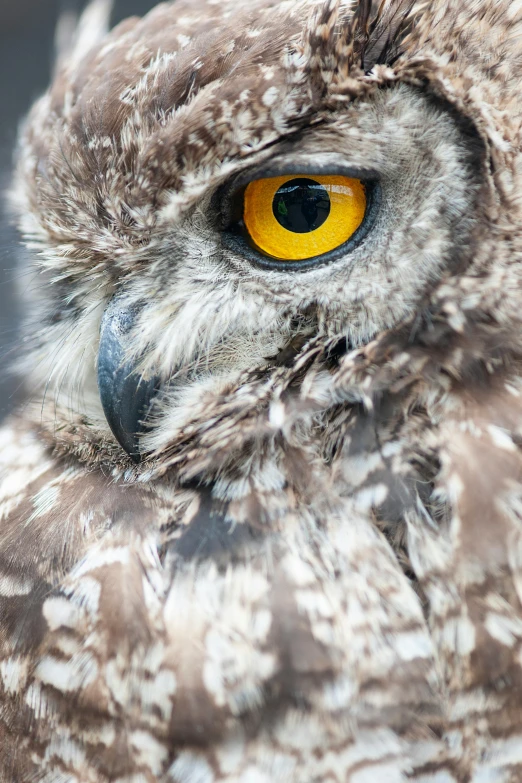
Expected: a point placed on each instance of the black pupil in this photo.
(301, 205)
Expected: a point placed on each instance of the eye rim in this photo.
(232, 231)
(234, 238)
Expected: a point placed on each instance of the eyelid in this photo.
(235, 242)
(231, 190)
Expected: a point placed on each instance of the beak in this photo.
(125, 395)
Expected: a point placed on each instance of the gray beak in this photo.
(126, 397)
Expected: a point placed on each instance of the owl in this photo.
(261, 509)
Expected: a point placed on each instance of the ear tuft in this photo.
(75, 36)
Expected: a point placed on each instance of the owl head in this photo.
(207, 191)
(276, 254)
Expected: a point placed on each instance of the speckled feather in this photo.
(315, 573)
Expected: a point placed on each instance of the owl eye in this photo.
(298, 217)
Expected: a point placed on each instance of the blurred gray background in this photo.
(26, 55)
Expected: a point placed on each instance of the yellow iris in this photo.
(296, 216)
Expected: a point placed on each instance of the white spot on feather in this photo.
(13, 672)
(413, 644)
(149, 752)
(459, 635)
(277, 414)
(189, 768)
(506, 630)
(60, 613)
(270, 97)
(371, 497)
(44, 501)
(501, 438)
(70, 675)
(11, 586)
(102, 558)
